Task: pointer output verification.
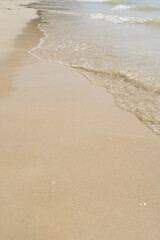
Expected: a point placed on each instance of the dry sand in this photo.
(73, 165)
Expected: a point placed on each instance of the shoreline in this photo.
(73, 164)
(152, 126)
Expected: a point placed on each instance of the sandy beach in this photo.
(73, 165)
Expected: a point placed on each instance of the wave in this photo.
(147, 7)
(114, 2)
(94, 1)
(126, 88)
(134, 91)
(119, 20)
(112, 18)
(121, 7)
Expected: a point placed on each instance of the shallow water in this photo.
(115, 43)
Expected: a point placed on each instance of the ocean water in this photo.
(114, 43)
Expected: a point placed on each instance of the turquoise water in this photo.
(114, 43)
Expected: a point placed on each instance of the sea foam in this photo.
(121, 7)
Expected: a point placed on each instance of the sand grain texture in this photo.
(73, 165)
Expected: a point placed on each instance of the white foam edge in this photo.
(41, 41)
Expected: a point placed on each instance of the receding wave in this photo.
(126, 87)
(135, 89)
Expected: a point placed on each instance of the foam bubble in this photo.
(121, 7)
(119, 20)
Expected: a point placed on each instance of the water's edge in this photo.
(147, 123)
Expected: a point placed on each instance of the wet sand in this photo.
(73, 165)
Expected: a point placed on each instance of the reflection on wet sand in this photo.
(73, 165)
(10, 66)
